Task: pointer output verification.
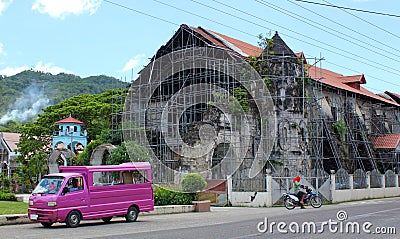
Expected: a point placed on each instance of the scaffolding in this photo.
(199, 107)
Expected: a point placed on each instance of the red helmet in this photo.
(296, 179)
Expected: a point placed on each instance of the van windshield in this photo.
(49, 185)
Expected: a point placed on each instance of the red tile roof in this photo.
(248, 49)
(354, 79)
(342, 82)
(301, 56)
(69, 120)
(388, 141)
(11, 139)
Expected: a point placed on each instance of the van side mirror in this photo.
(65, 190)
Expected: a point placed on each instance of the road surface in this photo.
(377, 218)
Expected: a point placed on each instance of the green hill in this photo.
(23, 95)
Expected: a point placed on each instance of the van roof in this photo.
(125, 166)
(69, 174)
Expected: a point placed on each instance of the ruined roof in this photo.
(387, 141)
(231, 44)
(243, 49)
(69, 120)
(340, 81)
(279, 47)
(393, 96)
(11, 140)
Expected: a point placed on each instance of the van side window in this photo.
(134, 177)
(75, 184)
(106, 178)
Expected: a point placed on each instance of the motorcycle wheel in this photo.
(316, 201)
(289, 203)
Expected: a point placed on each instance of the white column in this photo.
(351, 181)
(229, 188)
(333, 185)
(269, 190)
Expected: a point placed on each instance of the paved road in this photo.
(380, 214)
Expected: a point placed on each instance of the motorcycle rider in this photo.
(297, 190)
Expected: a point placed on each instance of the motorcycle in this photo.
(313, 198)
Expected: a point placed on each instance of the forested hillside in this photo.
(23, 95)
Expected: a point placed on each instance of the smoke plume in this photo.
(27, 106)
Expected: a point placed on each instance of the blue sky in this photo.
(93, 37)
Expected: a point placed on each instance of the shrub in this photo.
(163, 196)
(4, 196)
(193, 182)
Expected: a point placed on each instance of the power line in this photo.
(348, 8)
(366, 62)
(208, 19)
(175, 24)
(370, 23)
(140, 12)
(344, 26)
(320, 27)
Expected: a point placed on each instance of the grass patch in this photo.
(8, 207)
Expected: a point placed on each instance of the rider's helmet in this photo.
(296, 179)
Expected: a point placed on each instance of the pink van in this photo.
(92, 192)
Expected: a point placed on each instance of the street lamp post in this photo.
(72, 138)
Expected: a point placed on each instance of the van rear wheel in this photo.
(73, 219)
(132, 214)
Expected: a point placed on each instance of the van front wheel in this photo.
(73, 219)
(132, 214)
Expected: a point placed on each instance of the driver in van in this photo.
(75, 185)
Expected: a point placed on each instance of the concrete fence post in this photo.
(229, 188)
(269, 189)
(333, 185)
(397, 181)
(383, 181)
(369, 180)
(351, 181)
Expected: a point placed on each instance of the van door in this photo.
(74, 196)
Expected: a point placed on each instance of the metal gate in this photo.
(282, 185)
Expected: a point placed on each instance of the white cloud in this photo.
(10, 71)
(61, 8)
(48, 67)
(134, 62)
(4, 4)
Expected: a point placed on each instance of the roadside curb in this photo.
(158, 210)
(14, 219)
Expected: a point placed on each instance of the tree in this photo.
(34, 151)
(193, 182)
(129, 152)
(11, 127)
(84, 157)
(94, 110)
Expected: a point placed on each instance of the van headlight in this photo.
(51, 204)
(30, 202)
